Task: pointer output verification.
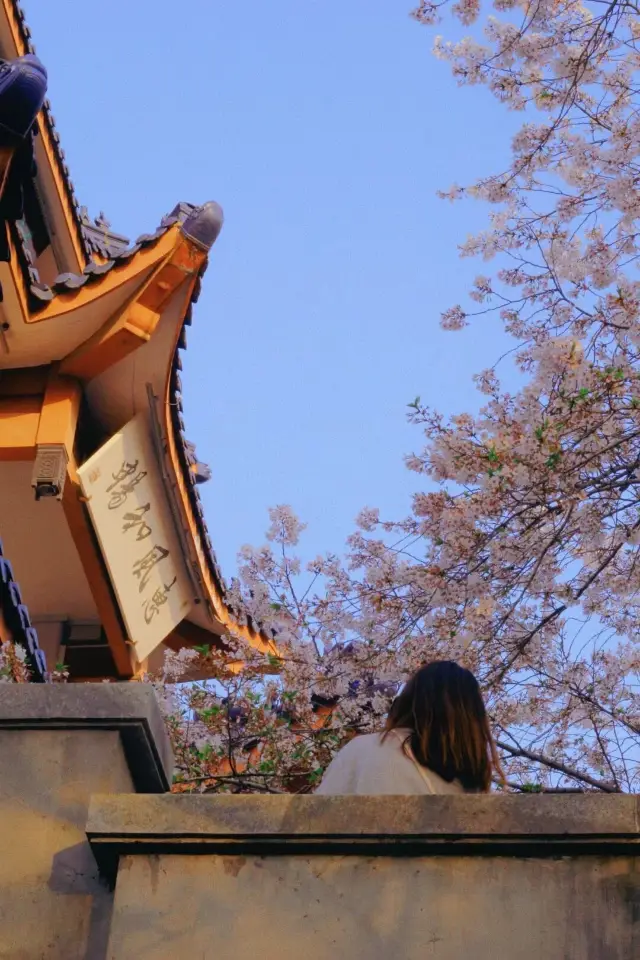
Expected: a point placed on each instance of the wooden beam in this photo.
(30, 382)
(60, 410)
(95, 571)
(19, 419)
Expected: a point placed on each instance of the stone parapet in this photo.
(129, 709)
(59, 744)
(488, 877)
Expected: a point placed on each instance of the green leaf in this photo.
(210, 712)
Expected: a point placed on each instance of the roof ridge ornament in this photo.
(99, 236)
(203, 226)
(23, 87)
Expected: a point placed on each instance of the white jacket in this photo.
(368, 766)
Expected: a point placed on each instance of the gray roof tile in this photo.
(42, 294)
(47, 118)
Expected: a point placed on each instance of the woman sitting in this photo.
(437, 740)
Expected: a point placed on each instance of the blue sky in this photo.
(324, 128)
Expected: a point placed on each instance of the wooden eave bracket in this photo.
(135, 323)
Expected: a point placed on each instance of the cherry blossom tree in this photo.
(521, 556)
(13, 663)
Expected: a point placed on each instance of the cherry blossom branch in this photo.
(552, 764)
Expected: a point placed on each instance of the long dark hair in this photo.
(443, 707)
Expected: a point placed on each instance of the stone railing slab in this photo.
(544, 825)
(368, 878)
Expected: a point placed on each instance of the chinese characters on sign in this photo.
(135, 519)
(125, 480)
(129, 510)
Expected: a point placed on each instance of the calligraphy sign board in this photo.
(132, 520)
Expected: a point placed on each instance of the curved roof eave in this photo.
(44, 299)
(202, 227)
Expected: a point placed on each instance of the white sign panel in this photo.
(129, 510)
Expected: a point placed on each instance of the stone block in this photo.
(58, 745)
(368, 878)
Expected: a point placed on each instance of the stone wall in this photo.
(544, 877)
(59, 745)
(98, 862)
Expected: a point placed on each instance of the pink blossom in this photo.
(368, 518)
(453, 319)
(285, 527)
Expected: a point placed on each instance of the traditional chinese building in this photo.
(105, 555)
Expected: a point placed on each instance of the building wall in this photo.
(59, 746)
(53, 903)
(98, 861)
(370, 878)
(376, 908)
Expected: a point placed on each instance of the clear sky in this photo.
(324, 128)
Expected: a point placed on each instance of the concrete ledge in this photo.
(545, 815)
(129, 708)
(389, 826)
